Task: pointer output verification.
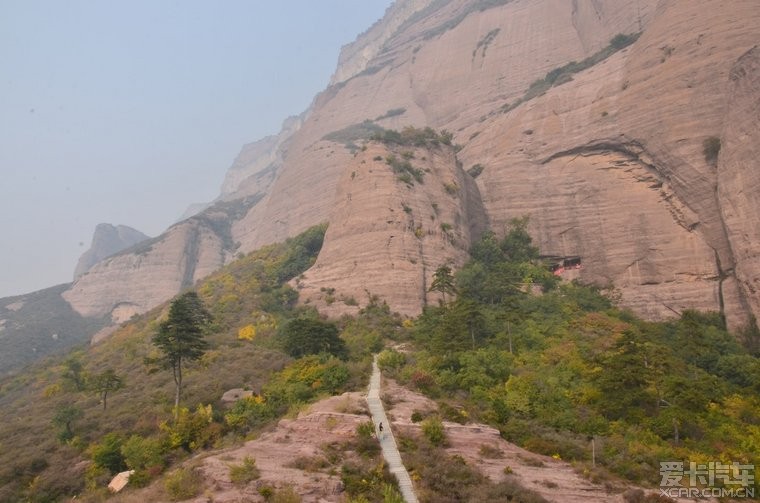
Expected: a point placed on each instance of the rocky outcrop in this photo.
(387, 236)
(138, 279)
(106, 241)
(193, 209)
(356, 56)
(147, 276)
(658, 101)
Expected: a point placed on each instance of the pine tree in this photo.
(181, 337)
(443, 282)
(106, 382)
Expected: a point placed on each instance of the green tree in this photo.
(308, 336)
(104, 383)
(181, 338)
(73, 373)
(108, 453)
(625, 379)
(64, 417)
(443, 282)
(517, 245)
(470, 315)
(140, 453)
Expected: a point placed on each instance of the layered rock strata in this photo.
(387, 236)
(607, 156)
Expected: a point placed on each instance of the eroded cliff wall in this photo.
(603, 145)
(609, 164)
(388, 234)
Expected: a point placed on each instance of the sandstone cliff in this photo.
(257, 164)
(106, 241)
(387, 236)
(602, 144)
(739, 180)
(609, 164)
(152, 272)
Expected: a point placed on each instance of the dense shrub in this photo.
(107, 453)
(390, 360)
(433, 430)
(192, 430)
(245, 472)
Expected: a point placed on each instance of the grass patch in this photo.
(351, 135)
(310, 463)
(490, 452)
(404, 170)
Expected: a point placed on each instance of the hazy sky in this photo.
(127, 111)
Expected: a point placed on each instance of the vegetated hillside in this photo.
(554, 371)
(40, 324)
(548, 371)
(54, 418)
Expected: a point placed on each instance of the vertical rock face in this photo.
(387, 236)
(106, 241)
(256, 165)
(355, 57)
(739, 177)
(603, 146)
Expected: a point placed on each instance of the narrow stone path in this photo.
(387, 440)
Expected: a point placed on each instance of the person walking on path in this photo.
(388, 442)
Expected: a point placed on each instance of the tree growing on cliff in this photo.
(181, 338)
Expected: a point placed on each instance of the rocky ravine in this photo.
(609, 164)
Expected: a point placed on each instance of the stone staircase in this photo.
(386, 438)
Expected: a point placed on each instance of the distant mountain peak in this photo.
(106, 241)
